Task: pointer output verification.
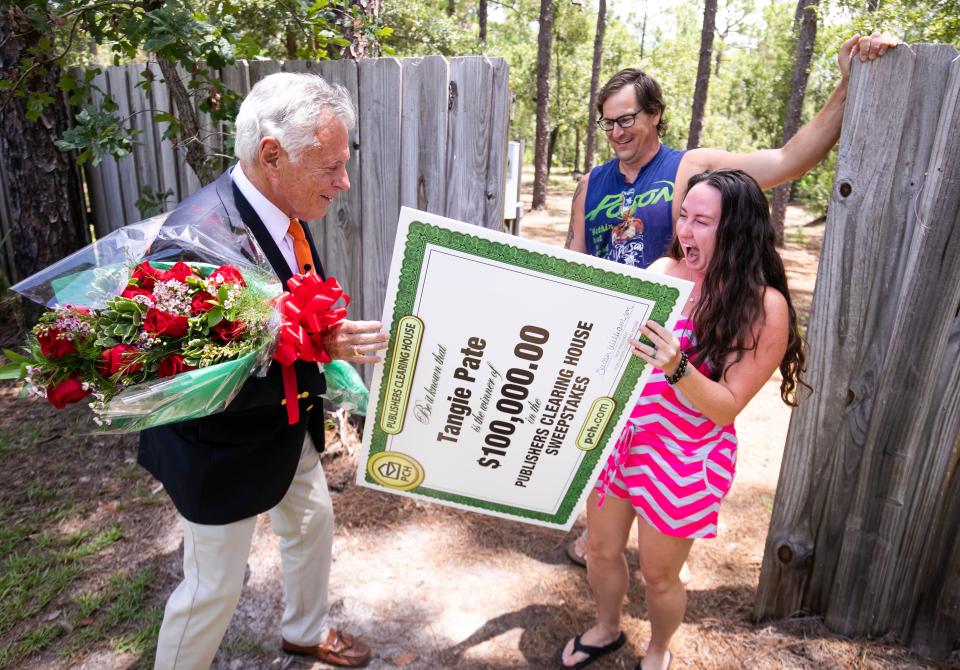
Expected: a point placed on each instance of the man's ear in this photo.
(270, 152)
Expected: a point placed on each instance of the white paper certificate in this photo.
(508, 376)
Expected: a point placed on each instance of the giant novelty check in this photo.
(508, 376)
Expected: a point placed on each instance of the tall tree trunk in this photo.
(360, 45)
(189, 137)
(482, 20)
(290, 40)
(43, 194)
(551, 147)
(576, 148)
(594, 84)
(703, 74)
(805, 22)
(540, 152)
(643, 29)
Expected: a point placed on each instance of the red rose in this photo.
(53, 346)
(146, 275)
(172, 365)
(68, 391)
(180, 271)
(159, 322)
(119, 358)
(132, 292)
(228, 274)
(201, 303)
(228, 331)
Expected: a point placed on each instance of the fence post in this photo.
(853, 494)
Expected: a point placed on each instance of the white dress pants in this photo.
(214, 560)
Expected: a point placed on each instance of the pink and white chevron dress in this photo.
(674, 464)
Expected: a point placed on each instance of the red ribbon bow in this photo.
(307, 313)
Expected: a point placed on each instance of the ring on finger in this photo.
(356, 351)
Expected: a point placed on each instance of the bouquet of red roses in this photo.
(130, 354)
(163, 321)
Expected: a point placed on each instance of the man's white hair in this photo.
(287, 106)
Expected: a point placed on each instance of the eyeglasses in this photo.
(624, 121)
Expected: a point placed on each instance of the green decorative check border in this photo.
(419, 235)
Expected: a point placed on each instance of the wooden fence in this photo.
(866, 522)
(431, 134)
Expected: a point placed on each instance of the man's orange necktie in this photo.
(301, 248)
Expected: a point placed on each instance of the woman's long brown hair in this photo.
(745, 262)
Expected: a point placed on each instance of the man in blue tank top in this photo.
(624, 209)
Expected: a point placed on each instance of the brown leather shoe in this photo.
(340, 649)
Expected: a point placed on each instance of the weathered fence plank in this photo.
(931, 595)
(902, 397)
(107, 200)
(839, 317)
(423, 134)
(861, 501)
(144, 155)
(379, 97)
(129, 188)
(499, 134)
(258, 69)
(236, 77)
(468, 138)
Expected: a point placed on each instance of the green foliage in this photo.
(425, 28)
(749, 86)
(911, 20)
(152, 202)
(95, 135)
(199, 37)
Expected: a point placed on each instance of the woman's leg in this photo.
(609, 528)
(661, 558)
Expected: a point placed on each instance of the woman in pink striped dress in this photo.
(675, 460)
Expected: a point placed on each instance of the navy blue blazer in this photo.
(239, 462)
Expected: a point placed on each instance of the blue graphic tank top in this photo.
(631, 223)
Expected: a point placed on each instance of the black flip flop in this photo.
(593, 653)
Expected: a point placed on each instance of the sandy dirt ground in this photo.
(430, 587)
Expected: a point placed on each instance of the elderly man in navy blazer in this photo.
(222, 471)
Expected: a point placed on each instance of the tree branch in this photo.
(196, 154)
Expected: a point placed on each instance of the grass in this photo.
(24, 439)
(241, 644)
(43, 566)
(35, 569)
(33, 642)
(118, 614)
